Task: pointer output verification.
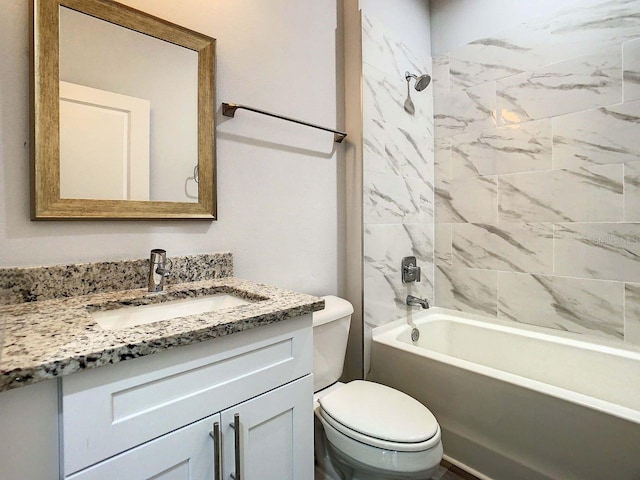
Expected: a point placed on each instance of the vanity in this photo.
(224, 393)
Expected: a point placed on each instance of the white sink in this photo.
(127, 317)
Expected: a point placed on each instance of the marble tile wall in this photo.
(537, 172)
(398, 187)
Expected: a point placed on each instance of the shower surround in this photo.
(537, 172)
(398, 204)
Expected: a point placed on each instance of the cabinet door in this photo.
(186, 454)
(275, 435)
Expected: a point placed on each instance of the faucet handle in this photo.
(163, 269)
(410, 270)
(165, 272)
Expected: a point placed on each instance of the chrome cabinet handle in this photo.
(217, 451)
(236, 430)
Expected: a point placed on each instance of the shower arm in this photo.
(229, 110)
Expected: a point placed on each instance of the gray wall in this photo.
(280, 187)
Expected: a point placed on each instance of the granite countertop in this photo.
(54, 337)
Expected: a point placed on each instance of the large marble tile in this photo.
(376, 50)
(467, 290)
(465, 110)
(583, 195)
(512, 247)
(392, 199)
(385, 302)
(410, 156)
(582, 306)
(509, 52)
(385, 298)
(381, 49)
(379, 96)
(442, 160)
(632, 192)
(632, 313)
(607, 251)
(590, 81)
(602, 136)
(383, 99)
(516, 148)
(631, 72)
(374, 157)
(467, 200)
(385, 246)
(443, 249)
(587, 25)
(441, 78)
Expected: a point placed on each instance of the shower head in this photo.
(422, 81)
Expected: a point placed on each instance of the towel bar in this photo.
(229, 110)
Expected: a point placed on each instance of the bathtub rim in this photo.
(388, 335)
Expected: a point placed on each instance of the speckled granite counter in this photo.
(50, 338)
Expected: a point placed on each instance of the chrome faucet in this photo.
(410, 270)
(415, 301)
(158, 270)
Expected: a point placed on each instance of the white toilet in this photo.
(365, 430)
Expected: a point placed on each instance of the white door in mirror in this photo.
(104, 144)
(126, 317)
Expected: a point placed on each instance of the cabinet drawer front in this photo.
(186, 454)
(114, 408)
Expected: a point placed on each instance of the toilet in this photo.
(364, 430)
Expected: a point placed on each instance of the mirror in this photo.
(123, 114)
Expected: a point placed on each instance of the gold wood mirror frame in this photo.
(46, 202)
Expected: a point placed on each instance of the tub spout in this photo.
(411, 301)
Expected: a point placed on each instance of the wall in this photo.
(537, 171)
(280, 186)
(397, 175)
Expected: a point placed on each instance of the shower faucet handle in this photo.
(410, 270)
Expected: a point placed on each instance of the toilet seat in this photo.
(381, 417)
(378, 443)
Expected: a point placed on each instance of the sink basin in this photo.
(127, 317)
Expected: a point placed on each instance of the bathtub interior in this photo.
(501, 424)
(593, 374)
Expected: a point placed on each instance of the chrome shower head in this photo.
(422, 81)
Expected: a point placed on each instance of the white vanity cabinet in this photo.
(154, 417)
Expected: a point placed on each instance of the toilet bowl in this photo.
(365, 430)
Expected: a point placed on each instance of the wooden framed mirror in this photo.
(123, 120)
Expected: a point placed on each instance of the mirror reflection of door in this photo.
(104, 144)
(109, 58)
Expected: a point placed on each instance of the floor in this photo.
(446, 471)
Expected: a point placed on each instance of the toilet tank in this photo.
(330, 334)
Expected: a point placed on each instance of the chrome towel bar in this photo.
(229, 110)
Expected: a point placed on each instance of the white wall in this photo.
(279, 185)
(407, 19)
(457, 22)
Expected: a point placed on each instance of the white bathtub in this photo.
(516, 403)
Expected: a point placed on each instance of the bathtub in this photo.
(514, 402)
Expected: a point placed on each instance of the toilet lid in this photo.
(381, 412)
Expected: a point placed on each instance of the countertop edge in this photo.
(38, 371)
